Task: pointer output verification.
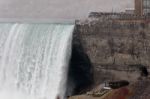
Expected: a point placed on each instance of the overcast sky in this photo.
(58, 8)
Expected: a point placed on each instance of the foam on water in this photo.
(34, 60)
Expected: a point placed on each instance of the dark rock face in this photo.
(144, 71)
(80, 75)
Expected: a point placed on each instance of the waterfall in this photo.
(34, 59)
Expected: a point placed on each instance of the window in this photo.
(146, 6)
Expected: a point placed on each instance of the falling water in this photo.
(33, 60)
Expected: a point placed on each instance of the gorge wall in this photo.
(117, 44)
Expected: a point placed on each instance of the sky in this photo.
(65, 9)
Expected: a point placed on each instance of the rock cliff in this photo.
(108, 47)
(117, 45)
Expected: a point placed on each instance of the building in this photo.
(142, 7)
(138, 7)
(146, 7)
(129, 11)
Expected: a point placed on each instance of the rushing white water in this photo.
(34, 60)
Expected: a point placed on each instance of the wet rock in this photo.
(80, 75)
